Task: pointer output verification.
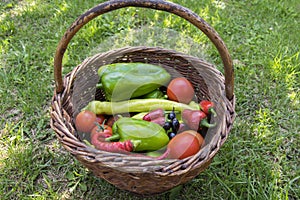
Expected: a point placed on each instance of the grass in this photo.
(261, 157)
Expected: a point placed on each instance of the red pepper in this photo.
(208, 107)
(98, 140)
(182, 127)
(101, 136)
(157, 113)
(98, 137)
(195, 119)
(160, 121)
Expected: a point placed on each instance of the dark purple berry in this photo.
(171, 115)
(175, 125)
(171, 135)
(167, 126)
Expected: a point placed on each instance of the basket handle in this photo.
(176, 9)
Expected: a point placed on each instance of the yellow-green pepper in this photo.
(137, 105)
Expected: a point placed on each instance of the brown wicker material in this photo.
(132, 173)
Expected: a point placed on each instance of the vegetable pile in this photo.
(146, 112)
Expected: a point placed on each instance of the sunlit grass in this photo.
(260, 159)
(285, 70)
(19, 9)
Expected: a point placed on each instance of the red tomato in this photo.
(185, 144)
(102, 129)
(102, 132)
(85, 121)
(181, 90)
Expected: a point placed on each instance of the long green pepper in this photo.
(137, 105)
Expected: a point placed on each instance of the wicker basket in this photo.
(140, 174)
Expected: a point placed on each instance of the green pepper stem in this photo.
(205, 123)
(135, 143)
(99, 85)
(112, 138)
(212, 111)
(88, 143)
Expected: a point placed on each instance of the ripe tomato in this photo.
(181, 90)
(185, 144)
(100, 132)
(85, 121)
(102, 129)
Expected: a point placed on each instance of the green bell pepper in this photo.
(146, 136)
(123, 81)
(155, 94)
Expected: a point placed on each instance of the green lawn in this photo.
(260, 159)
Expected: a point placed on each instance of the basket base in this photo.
(143, 184)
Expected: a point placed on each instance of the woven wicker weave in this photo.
(132, 173)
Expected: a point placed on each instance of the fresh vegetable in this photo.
(116, 147)
(181, 90)
(160, 121)
(182, 127)
(136, 105)
(155, 94)
(208, 107)
(104, 129)
(149, 136)
(85, 121)
(183, 145)
(195, 119)
(99, 135)
(159, 112)
(139, 115)
(123, 81)
(192, 119)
